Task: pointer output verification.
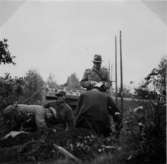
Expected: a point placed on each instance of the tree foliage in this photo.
(5, 56)
(73, 82)
(28, 89)
(155, 81)
(10, 90)
(51, 82)
(145, 93)
(157, 76)
(126, 92)
(33, 87)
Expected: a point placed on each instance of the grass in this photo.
(142, 138)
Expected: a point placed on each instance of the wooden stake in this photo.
(66, 153)
(116, 99)
(121, 73)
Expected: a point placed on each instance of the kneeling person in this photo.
(94, 108)
(64, 114)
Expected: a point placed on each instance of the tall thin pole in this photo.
(111, 77)
(116, 87)
(111, 73)
(121, 73)
(109, 68)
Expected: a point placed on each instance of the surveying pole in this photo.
(109, 70)
(116, 87)
(121, 73)
(110, 76)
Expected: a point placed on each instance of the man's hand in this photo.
(93, 83)
(118, 127)
(106, 84)
(99, 84)
(54, 130)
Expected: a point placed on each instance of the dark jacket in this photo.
(65, 118)
(94, 110)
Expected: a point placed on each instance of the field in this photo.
(142, 140)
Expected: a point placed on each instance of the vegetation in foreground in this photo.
(142, 140)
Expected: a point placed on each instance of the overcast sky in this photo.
(62, 37)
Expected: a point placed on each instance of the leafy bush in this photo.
(10, 90)
(145, 135)
(33, 88)
(28, 89)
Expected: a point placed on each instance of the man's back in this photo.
(94, 110)
(94, 104)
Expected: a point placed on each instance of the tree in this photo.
(157, 77)
(145, 93)
(10, 90)
(51, 82)
(28, 89)
(73, 82)
(126, 92)
(155, 82)
(5, 56)
(33, 88)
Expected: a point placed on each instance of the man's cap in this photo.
(60, 93)
(97, 58)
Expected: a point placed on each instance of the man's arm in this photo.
(114, 111)
(69, 118)
(46, 105)
(79, 104)
(78, 108)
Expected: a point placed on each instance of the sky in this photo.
(61, 37)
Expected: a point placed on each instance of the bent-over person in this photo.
(28, 117)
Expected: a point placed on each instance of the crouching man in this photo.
(94, 110)
(28, 117)
(64, 114)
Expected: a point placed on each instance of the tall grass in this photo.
(142, 139)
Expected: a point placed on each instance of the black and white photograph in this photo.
(83, 81)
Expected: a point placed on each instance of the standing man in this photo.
(95, 75)
(94, 110)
